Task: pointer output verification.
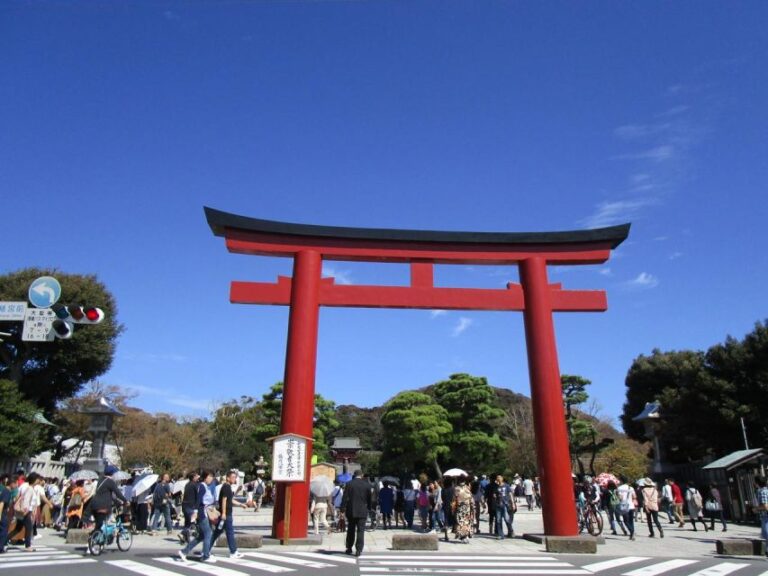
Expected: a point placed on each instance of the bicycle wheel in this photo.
(96, 542)
(124, 539)
(594, 522)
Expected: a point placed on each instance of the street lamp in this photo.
(650, 417)
(102, 416)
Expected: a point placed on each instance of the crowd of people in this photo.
(201, 510)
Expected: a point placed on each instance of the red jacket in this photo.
(677, 494)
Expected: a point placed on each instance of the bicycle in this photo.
(111, 531)
(590, 519)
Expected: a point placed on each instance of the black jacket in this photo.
(356, 501)
(102, 499)
(190, 496)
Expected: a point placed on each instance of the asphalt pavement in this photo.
(676, 541)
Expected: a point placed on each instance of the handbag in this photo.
(213, 514)
(712, 506)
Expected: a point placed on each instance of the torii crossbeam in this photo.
(306, 291)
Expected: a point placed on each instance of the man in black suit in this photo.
(356, 503)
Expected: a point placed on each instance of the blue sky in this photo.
(119, 121)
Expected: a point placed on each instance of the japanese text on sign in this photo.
(12, 310)
(289, 459)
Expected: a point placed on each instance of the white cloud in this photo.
(461, 325)
(637, 131)
(339, 276)
(609, 213)
(170, 397)
(644, 280)
(436, 313)
(675, 255)
(605, 271)
(660, 153)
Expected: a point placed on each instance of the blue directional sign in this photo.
(44, 292)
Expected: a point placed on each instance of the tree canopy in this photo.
(47, 372)
(703, 396)
(20, 435)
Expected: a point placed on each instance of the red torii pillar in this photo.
(306, 291)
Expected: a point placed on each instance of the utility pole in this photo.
(744, 431)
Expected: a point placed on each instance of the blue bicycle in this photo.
(111, 531)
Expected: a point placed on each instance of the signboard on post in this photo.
(12, 311)
(37, 325)
(289, 458)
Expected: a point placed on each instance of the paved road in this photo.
(53, 561)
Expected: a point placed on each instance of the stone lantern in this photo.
(650, 417)
(102, 416)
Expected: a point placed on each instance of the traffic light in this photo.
(62, 328)
(79, 314)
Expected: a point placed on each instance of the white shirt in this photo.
(625, 491)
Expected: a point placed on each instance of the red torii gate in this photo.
(306, 291)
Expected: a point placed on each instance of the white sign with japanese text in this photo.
(289, 459)
(12, 311)
(37, 325)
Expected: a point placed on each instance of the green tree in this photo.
(47, 372)
(697, 409)
(582, 432)
(21, 435)
(416, 432)
(474, 416)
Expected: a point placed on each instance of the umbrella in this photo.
(178, 486)
(84, 475)
(119, 476)
(321, 486)
(144, 483)
(603, 478)
(346, 477)
(455, 472)
(390, 479)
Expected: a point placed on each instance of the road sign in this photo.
(289, 460)
(44, 292)
(11, 311)
(37, 325)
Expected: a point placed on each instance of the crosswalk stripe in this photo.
(659, 568)
(720, 569)
(140, 568)
(320, 556)
(615, 563)
(467, 563)
(288, 560)
(498, 557)
(203, 567)
(34, 556)
(393, 571)
(257, 565)
(67, 561)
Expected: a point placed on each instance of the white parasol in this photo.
(84, 475)
(119, 476)
(144, 483)
(178, 486)
(321, 486)
(455, 472)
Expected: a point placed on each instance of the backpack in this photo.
(76, 501)
(696, 497)
(423, 498)
(613, 499)
(259, 490)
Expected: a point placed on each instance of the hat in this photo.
(110, 470)
(648, 482)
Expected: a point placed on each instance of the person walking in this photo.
(677, 502)
(258, 491)
(205, 501)
(24, 511)
(225, 523)
(651, 506)
(504, 506)
(386, 504)
(627, 505)
(463, 511)
(668, 501)
(6, 503)
(611, 505)
(319, 511)
(528, 493)
(161, 504)
(356, 503)
(713, 506)
(189, 504)
(694, 504)
(761, 505)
